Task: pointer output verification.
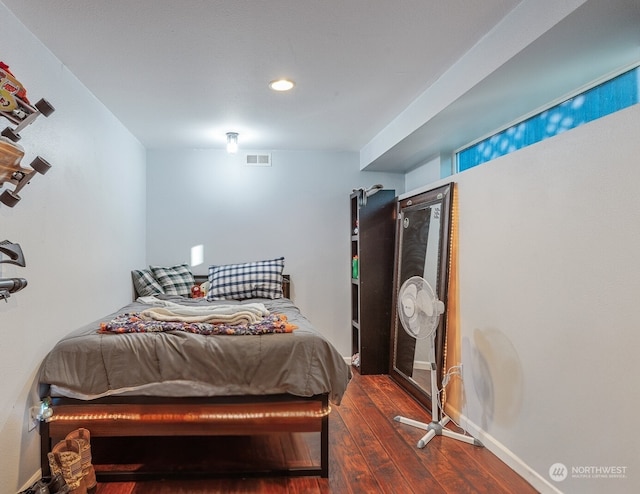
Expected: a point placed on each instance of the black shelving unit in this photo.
(373, 242)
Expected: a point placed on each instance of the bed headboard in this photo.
(286, 283)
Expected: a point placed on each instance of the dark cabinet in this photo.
(372, 254)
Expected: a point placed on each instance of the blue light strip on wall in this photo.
(606, 98)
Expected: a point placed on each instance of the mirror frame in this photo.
(442, 195)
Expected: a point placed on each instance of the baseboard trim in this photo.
(34, 478)
(508, 457)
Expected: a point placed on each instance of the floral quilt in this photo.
(134, 323)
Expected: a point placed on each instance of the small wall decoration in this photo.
(14, 255)
(15, 107)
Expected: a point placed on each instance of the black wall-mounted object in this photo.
(11, 285)
(15, 256)
(14, 251)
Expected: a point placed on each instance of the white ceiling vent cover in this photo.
(260, 159)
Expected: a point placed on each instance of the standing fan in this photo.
(419, 311)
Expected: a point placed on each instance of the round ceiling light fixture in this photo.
(282, 85)
(232, 142)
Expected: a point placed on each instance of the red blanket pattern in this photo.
(133, 323)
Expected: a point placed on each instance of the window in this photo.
(608, 97)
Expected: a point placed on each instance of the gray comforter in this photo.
(87, 364)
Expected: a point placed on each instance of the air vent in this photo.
(258, 159)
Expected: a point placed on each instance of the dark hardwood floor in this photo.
(369, 453)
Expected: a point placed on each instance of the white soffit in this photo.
(538, 53)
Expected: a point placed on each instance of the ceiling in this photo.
(195, 69)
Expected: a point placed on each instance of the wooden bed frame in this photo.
(146, 416)
(138, 416)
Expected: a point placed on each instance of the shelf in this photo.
(371, 291)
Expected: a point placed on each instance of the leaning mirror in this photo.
(422, 249)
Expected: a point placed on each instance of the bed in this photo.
(190, 383)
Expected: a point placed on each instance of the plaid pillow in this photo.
(260, 279)
(145, 283)
(174, 280)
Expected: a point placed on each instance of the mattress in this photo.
(88, 364)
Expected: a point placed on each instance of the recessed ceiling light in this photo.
(281, 85)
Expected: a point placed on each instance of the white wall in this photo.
(298, 208)
(81, 227)
(548, 273)
(548, 242)
(427, 173)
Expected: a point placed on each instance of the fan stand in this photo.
(437, 426)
